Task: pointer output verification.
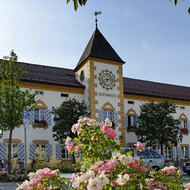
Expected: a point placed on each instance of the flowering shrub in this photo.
(106, 170)
(43, 179)
(16, 175)
(105, 165)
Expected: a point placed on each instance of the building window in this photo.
(132, 121)
(64, 95)
(40, 117)
(168, 152)
(14, 150)
(40, 151)
(185, 151)
(130, 102)
(39, 92)
(64, 153)
(108, 114)
(184, 124)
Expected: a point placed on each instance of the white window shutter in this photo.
(58, 151)
(32, 151)
(3, 152)
(126, 121)
(48, 116)
(21, 152)
(31, 116)
(115, 116)
(101, 116)
(48, 151)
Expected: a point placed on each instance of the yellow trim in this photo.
(34, 126)
(99, 60)
(13, 141)
(155, 99)
(40, 142)
(41, 105)
(131, 112)
(52, 87)
(184, 145)
(121, 103)
(183, 117)
(108, 106)
(91, 89)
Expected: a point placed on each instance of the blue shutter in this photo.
(3, 152)
(31, 117)
(137, 121)
(48, 151)
(164, 152)
(174, 152)
(180, 153)
(101, 116)
(58, 151)
(188, 125)
(21, 152)
(126, 121)
(32, 151)
(48, 117)
(115, 117)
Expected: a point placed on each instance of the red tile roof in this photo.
(148, 88)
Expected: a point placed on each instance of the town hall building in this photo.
(98, 80)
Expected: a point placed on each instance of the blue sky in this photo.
(151, 36)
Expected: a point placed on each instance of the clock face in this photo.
(107, 79)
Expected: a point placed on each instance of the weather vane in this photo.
(96, 14)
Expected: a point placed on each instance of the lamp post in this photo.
(1, 133)
(178, 140)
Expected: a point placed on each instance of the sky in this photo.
(151, 36)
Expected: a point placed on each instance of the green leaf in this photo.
(75, 5)
(68, 1)
(189, 10)
(175, 2)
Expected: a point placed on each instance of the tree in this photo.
(156, 124)
(66, 116)
(83, 2)
(12, 99)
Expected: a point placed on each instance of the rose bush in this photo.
(105, 166)
(44, 179)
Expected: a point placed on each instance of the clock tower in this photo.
(100, 71)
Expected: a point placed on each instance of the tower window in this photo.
(64, 95)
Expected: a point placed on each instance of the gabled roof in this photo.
(99, 47)
(155, 89)
(50, 75)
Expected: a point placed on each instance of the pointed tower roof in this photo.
(99, 47)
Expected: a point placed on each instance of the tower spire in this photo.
(96, 19)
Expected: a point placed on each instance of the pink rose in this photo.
(104, 128)
(46, 172)
(111, 133)
(70, 146)
(187, 186)
(115, 183)
(109, 166)
(143, 169)
(140, 146)
(133, 165)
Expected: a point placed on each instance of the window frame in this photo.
(185, 151)
(168, 153)
(40, 152)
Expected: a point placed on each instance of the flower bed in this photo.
(16, 175)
